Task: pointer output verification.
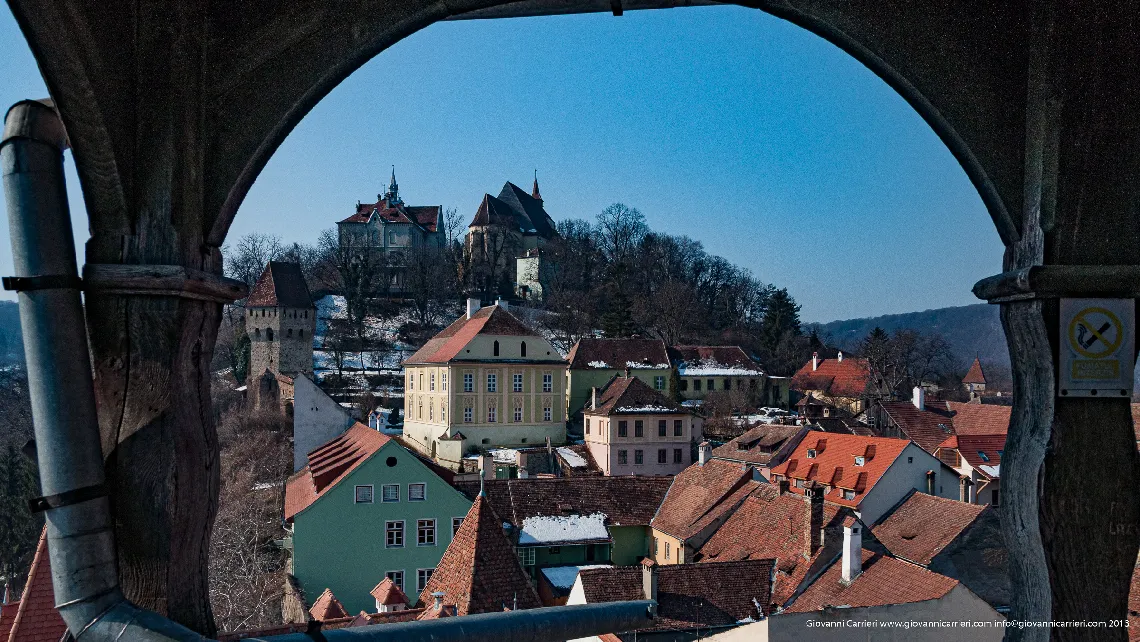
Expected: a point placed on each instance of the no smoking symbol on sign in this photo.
(1095, 333)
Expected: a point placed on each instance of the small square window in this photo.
(390, 493)
(848, 494)
(859, 461)
(456, 522)
(364, 494)
(526, 556)
(417, 492)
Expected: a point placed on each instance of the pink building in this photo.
(632, 429)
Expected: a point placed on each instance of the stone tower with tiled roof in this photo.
(280, 319)
(975, 379)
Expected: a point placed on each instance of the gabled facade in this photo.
(280, 320)
(866, 474)
(632, 429)
(513, 224)
(839, 382)
(593, 362)
(975, 380)
(363, 496)
(317, 418)
(762, 446)
(485, 381)
(705, 369)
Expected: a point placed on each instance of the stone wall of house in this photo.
(281, 340)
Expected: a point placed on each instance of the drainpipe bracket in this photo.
(67, 498)
(45, 282)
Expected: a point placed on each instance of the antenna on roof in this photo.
(482, 483)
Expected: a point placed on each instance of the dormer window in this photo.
(848, 494)
(811, 453)
(860, 460)
(984, 456)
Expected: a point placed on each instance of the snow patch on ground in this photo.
(555, 529)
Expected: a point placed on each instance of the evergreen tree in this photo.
(781, 318)
(19, 527)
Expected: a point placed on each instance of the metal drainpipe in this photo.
(81, 541)
(80, 538)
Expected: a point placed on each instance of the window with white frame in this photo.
(518, 414)
(526, 556)
(394, 534)
(411, 381)
(443, 381)
(431, 410)
(425, 532)
(467, 414)
(492, 414)
(423, 575)
(517, 380)
(364, 494)
(547, 382)
(443, 412)
(431, 382)
(390, 493)
(456, 522)
(658, 383)
(468, 382)
(848, 494)
(548, 414)
(397, 578)
(492, 382)
(417, 492)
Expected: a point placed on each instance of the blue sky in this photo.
(769, 145)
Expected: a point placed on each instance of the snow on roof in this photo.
(555, 529)
(506, 455)
(563, 576)
(599, 364)
(646, 365)
(644, 408)
(714, 369)
(992, 471)
(692, 403)
(574, 459)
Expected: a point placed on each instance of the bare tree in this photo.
(430, 278)
(487, 258)
(619, 231)
(246, 260)
(452, 223)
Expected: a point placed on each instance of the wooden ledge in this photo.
(1061, 281)
(161, 280)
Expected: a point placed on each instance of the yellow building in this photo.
(485, 381)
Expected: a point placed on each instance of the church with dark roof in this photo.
(505, 241)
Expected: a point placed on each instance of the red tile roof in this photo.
(975, 375)
(630, 395)
(327, 607)
(836, 378)
(281, 284)
(708, 360)
(700, 495)
(423, 216)
(346, 622)
(928, 428)
(689, 595)
(480, 572)
(979, 418)
(834, 463)
(619, 354)
(386, 592)
(36, 619)
(884, 580)
(922, 525)
(330, 463)
(759, 444)
(625, 500)
(491, 320)
(7, 617)
(978, 451)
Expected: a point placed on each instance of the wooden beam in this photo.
(1057, 281)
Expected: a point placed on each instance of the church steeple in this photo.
(393, 195)
(534, 191)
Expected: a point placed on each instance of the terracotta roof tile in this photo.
(846, 378)
(975, 374)
(759, 444)
(980, 451)
(446, 346)
(928, 428)
(619, 354)
(702, 494)
(327, 607)
(834, 463)
(281, 284)
(480, 572)
(689, 595)
(630, 395)
(386, 592)
(713, 361)
(625, 500)
(884, 580)
(979, 419)
(922, 525)
(330, 463)
(36, 619)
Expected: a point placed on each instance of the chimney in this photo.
(814, 361)
(972, 486)
(918, 397)
(784, 486)
(813, 539)
(840, 357)
(649, 579)
(437, 599)
(852, 550)
(594, 398)
(704, 452)
(487, 466)
(930, 482)
(472, 307)
(501, 303)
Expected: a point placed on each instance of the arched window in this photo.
(269, 334)
(524, 348)
(257, 333)
(496, 348)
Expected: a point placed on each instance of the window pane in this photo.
(677, 427)
(391, 492)
(456, 522)
(417, 492)
(662, 428)
(363, 494)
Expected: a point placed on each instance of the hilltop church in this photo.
(505, 242)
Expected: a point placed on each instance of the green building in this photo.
(593, 362)
(366, 508)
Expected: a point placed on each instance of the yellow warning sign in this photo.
(1097, 353)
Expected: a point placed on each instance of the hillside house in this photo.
(762, 446)
(632, 429)
(593, 362)
(504, 236)
(388, 229)
(701, 498)
(575, 521)
(961, 541)
(485, 381)
(364, 496)
(838, 382)
(867, 474)
(975, 380)
(705, 369)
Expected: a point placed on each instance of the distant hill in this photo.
(970, 329)
(11, 343)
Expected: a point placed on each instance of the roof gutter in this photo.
(80, 537)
